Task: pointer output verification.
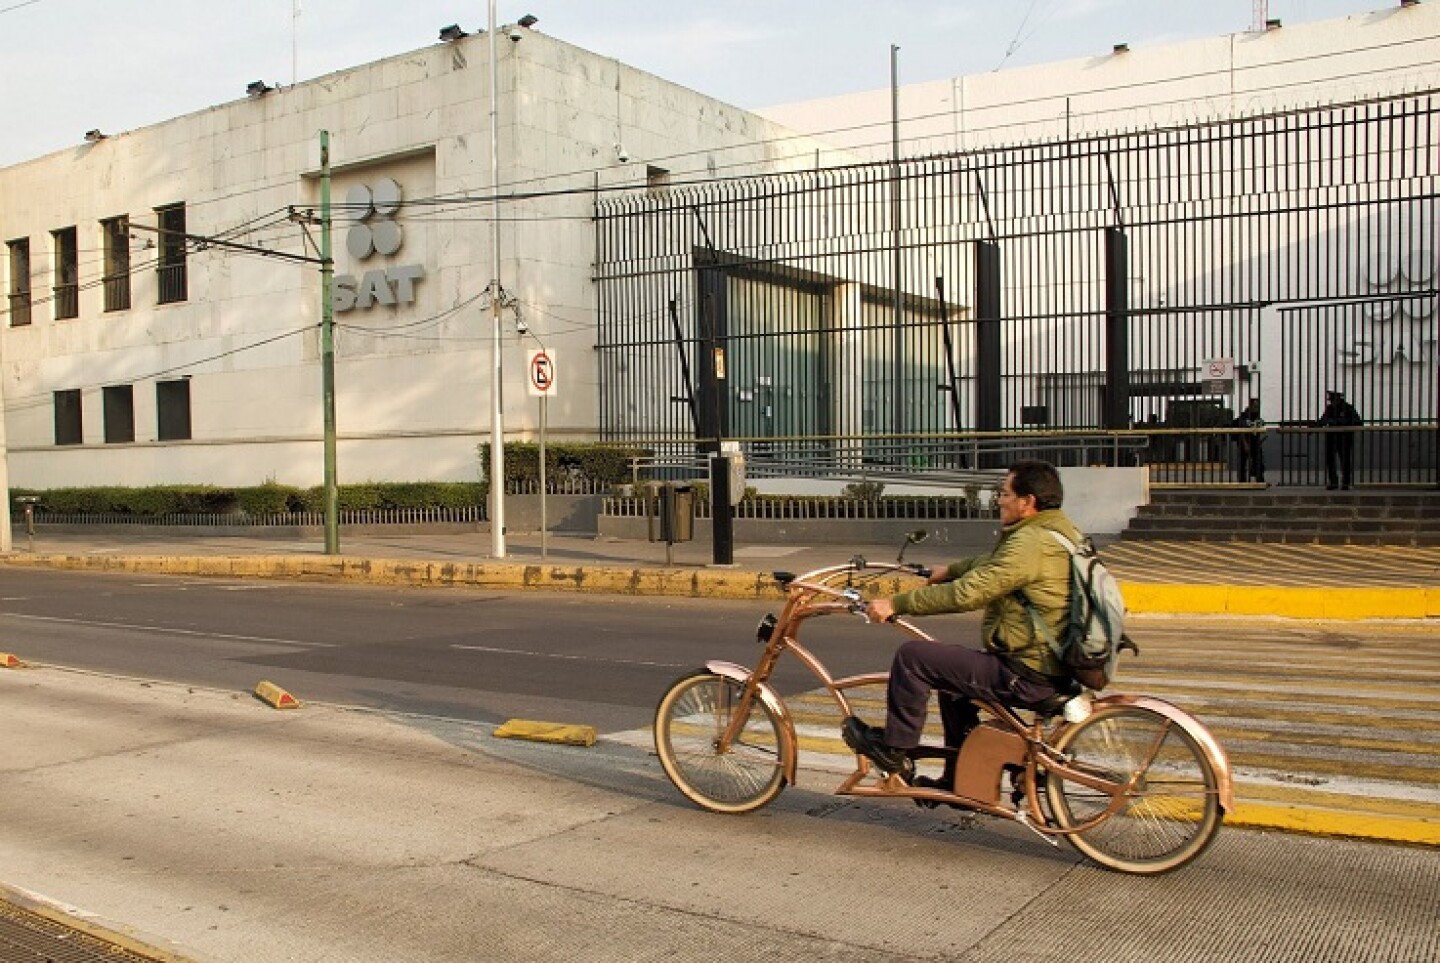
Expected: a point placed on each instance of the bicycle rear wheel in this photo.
(689, 721)
(1171, 809)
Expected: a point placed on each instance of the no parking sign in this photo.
(542, 373)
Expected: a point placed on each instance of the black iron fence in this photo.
(1154, 281)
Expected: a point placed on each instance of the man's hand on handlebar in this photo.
(880, 610)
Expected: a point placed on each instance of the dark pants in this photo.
(959, 674)
(1339, 459)
(1251, 458)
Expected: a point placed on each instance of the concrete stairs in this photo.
(1306, 516)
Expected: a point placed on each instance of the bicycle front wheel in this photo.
(1169, 809)
(692, 717)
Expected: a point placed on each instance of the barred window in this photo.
(68, 428)
(116, 233)
(19, 294)
(171, 269)
(67, 274)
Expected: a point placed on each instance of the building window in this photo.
(67, 274)
(171, 269)
(119, 414)
(172, 405)
(116, 232)
(67, 418)
(657, 180)
(19, 281)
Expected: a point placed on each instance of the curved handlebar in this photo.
(848, 597)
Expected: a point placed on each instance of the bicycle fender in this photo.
(772, 700)
(1195, 729)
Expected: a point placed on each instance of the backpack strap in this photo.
(1042, 630)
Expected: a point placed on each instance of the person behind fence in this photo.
(1250, 445)
(1016, 666)
(1339, 445)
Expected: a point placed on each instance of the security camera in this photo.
(516, 34)
(624, 156)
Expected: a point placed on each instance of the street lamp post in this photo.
(497, 407)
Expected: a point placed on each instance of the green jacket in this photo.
(1025, 558)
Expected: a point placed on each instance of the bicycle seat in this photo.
(1055, 703)
(784, 578)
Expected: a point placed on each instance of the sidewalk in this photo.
(1191, 578)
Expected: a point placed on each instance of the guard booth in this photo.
(671, 510)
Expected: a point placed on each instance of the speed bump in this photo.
(9, 661)
(556, 732)
(276, 696)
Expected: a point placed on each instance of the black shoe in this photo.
(869, 741)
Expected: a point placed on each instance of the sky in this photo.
(70, 66)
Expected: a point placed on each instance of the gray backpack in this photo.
(1094, 632)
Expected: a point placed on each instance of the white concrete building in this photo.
(132, 358)
(1390, 51)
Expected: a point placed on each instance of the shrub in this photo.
(603, 464)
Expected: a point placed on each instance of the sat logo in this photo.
(375, 232)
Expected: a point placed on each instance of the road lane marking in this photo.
(569, 658)
(156, 628)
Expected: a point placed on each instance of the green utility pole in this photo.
(327, 352)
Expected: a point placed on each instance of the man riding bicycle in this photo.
(1017, 666)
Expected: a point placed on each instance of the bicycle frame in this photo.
(1006, 739)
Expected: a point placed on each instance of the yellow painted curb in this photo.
(27, 903)
(1317, 822)
(8, 661)
(276, 696)
(556, 732)
(1332, 602)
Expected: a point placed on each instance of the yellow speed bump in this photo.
(8, 661)
(557, 732)
(276, 696)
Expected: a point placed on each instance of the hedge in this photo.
(603, 464)
(269, 499)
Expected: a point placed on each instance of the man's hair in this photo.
(1038, 478)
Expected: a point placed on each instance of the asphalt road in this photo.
(480, 656)
(1327, 717)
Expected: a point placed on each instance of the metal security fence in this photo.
(1155, 280)
(393, 516)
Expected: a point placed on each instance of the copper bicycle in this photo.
(1133, 783)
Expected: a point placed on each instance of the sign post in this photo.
(542, 385)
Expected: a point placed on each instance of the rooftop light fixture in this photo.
(452, 33)
(1120, 48)
(528, 21)
(94, 136)
(257, 88)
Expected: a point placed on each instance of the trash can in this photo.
(672, 512)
